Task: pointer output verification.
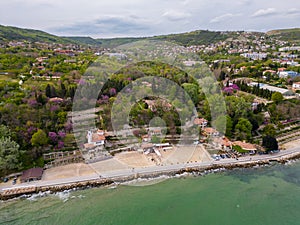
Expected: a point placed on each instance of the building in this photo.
(32, 174)
(245, 146)
(273, 72)
(118, 56)
(200, 122)
(283, 91)
(286, 49)
(296, 86)
(209, 131)
(286, 74)
(96, 138)
(255, 56)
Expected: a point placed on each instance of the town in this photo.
(258, 75)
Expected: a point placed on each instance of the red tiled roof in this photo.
(209, 130)
(97, 137)
(200, 121)
(226, 142)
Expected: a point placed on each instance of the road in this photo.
(157, 169)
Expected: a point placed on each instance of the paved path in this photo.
(157, 169)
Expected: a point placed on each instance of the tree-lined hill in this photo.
(8, 33)
(292, 35)
(198, 37)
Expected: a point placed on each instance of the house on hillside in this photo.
(95, 138)
(296, 86)
(286, 74)
(283, 91)
(210, 132)
(201, 122)
(245, 146)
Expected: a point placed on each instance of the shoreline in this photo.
(178, 170)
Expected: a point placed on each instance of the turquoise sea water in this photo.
(252, 196)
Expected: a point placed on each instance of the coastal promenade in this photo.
(147, 172)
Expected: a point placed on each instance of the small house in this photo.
(32, 174)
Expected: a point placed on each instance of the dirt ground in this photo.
(292, 144)
(126, 160)
(184, 154)
(71, 170)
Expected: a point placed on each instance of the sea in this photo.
(262, 196)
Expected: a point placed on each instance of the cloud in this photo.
(219, 19)
(265, 12)
(293, 12)
(174, 15)
(105, 26)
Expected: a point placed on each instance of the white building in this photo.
(255, 56)
(96, 138)
(296, 86)
(286, 74)
(285, 49)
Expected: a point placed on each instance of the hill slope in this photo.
(198, 37)
(8, 33)
(292, 35)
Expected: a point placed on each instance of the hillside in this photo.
(114, 42)
(8, 33)
(199, 37)
(292, 35)
(85, 40)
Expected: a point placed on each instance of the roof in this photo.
(33, 173)
(97, 137)
(147, 145)
(200, 121)
(277, 89)
(226, 142)
(245, 146)
(269, 71)
(56, 99)
(88, 145)
(210, 130)
(281, 69)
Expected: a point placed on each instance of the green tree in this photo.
(269, 130)
(39, 138)
(277, 97)
(229, 127)
(48, 91)
(9, 152)
(4, 131)
(243, 129)
(270, 143)
(193, 91)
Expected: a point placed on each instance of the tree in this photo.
(270, 143)
(229, 126)
(193, 91)
(269, 130)
(9, 152)
(63, 90)
(243, 129)
(48, 91)
(277, 97)
(4, 131)
(39, 138)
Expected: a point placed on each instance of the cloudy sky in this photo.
(119, 18)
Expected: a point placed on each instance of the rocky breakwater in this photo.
(20, 191)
